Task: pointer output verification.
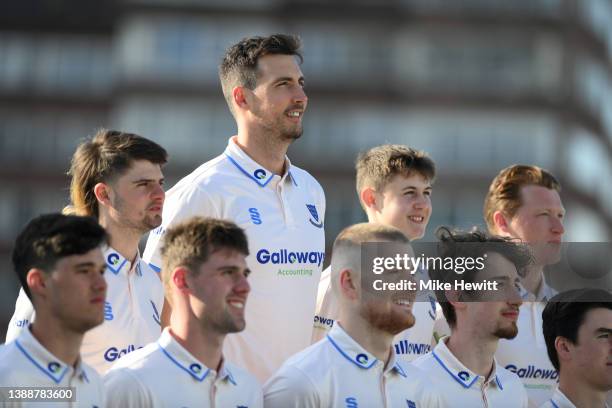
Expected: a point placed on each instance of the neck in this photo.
(532, 282)
(374, 341)
(580, 393)
(265, 149)
(474, 352)
(121, 239)
(204, 344)
(59, 340)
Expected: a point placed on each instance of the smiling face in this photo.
(278, 101)
(219, 291)
(590, 359)
(75, 291)
(405, 203)
(137, 197)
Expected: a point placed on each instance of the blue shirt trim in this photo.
(498, 383)
(348, 357)
(453, 375)
(155, 268)
(553, 403)
(116, 271)
(292, 179)
(183, 368)
(259, 183)
(400, 370)
(25, 353)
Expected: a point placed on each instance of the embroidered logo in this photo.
(313, 214)
(255, 216)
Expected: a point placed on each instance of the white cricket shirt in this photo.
(526, 355)
(461, 387)
(283, 220)
(132, 310)
(338, 372)
(559, 400)
(409, 344)
(24, 362)
(165, 374)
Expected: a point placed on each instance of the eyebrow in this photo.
(141, 180)
(286, 78)
(86, 265)
(415, 187)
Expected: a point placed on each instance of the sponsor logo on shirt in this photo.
(406, 347)
(534, 372)
(259, 174)
(361, 358)
(464, 375)
(112, 259)
(108, 311)
(22, 323)
(411, 404)
(313, 214)
(159, 230)
(114, 353)
(284, 256)
(255, 217)
(155, 313)
(322, 321)
(351, 402)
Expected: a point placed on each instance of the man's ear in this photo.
(369, 198)
(348, 286)
(563, 347)
(239, 96)
(102, 193)
(502, 223)
(179, 279)
(36, 281)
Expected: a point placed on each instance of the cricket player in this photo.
(523, 202)
(463, 364)
(577, 326)
(355, 365)
(60, 265)
(205, 276)
(117, 178)
(280, 206)
(394, 185)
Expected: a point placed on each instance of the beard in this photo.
(143, 225)
(508, 332)
(385, 318)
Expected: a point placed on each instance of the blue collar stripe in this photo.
(400, 370)
(231, 378)
(259, 183)
(293, 179)
(453, 375)
(183, 368)
(116, 271)
(155, 268)
(348, 357)
(498, 383)
(25, 353)
(553, 404)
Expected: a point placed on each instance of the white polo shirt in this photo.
(338, 372)
(134, 301)
(409, 344)
(283, 220)
(165, 374)
(559, 400)
(24, 362)
(461, 387)
(527, 357)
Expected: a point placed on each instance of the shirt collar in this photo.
(116, 263)
(187, 362)
(45, 361)
(559, 400)
(352, 351)
(251, 169)
(458, 371)
(544, 293)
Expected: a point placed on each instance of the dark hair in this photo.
(239, 64)
(564, 314)
(50, 237)
(191, 243)
(450, 246)
(101, 159)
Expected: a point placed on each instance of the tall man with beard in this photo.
(463, 364)
(356, 364)
(117, 178)
(280, 206)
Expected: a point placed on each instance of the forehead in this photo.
(223, 258)
(540, 197)
(597, 318)
(415, 180)
(270, 67)
(94, 257)
(141, 169)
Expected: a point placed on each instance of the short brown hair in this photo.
(103, 158)
(377, 166)
(190, 243)
(239, 64)
(450, 246)
(505, 190)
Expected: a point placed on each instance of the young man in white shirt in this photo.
(280, 206)
(205, 276)
(523, 203)
(356, 364)
(394, 185)
(117, 178)
(59, 262)
(463, 364)
(577, 326)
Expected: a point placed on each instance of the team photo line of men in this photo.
(214, 315)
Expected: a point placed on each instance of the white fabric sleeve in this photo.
(179, 207)
(22, 317)
(291, 388)
(123, 389)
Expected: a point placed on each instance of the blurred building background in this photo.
(479, 84)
